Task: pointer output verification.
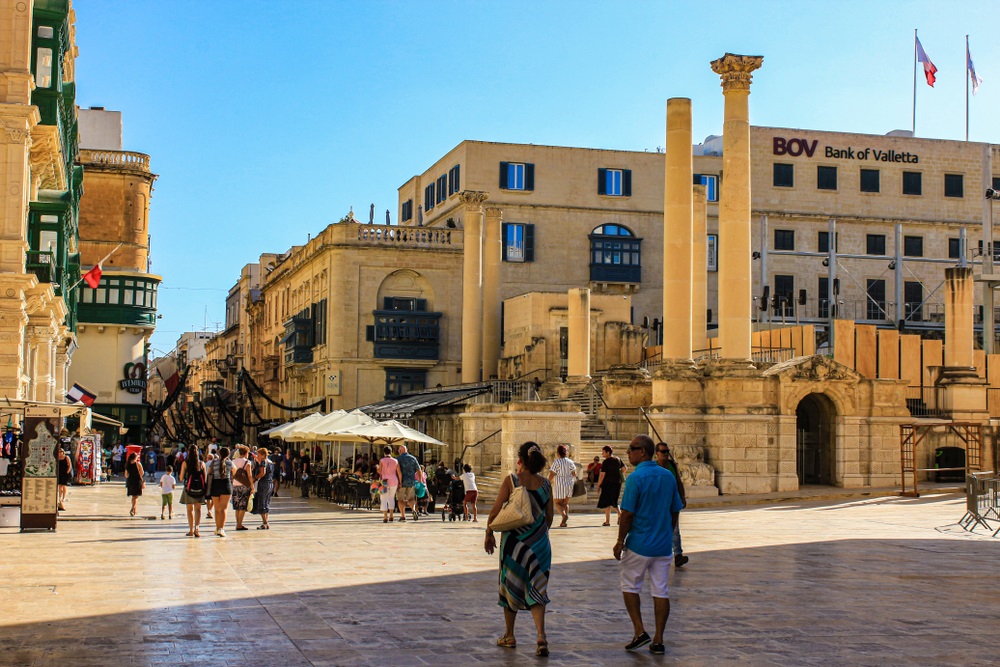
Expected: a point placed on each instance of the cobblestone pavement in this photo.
(878, 581)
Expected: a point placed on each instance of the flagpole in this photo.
(967, 87)
(913, 130)
(98, 264)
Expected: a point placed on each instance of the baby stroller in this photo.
(455, 498)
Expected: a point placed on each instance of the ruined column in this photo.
(492, 257)
(958, 313)
(677, 221)
(735, 297)
(699, 269)
(472, 285)
(579, 333)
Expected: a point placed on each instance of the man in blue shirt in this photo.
(650, 506)
(406, 495)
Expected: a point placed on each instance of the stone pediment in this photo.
(815, 368)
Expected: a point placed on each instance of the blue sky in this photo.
(266, 121)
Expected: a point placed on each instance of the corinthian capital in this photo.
(494, 212)
(736, 71)
(473, 199)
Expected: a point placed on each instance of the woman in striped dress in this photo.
(562, 474)
(525, 553)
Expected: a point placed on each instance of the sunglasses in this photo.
(635, 449)
(662, 451)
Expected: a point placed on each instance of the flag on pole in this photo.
(93, 277)
(79, 394)
(972, 71)
(929, 69)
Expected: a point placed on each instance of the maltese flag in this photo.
(929, 69)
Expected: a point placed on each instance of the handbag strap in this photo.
(515, 482)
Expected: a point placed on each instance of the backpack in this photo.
(194, 486)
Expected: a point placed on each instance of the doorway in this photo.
(814, 438)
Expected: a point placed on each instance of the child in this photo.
(167, 483)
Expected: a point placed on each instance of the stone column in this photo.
(492, 257)
(13, 323)
(44, 353)
(472, 285)
(677, 221)
(579, 333)
(699, 269)
(958, 307)
(735, 297)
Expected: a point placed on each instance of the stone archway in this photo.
(815, 439)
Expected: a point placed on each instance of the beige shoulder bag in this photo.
(516, 512)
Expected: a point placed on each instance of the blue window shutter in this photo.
(602, 181)
(529, 243)
(529, 177)
(370, 333)
(697, 179)
(458, 180)
(503, 235)
(626, 182)
(503, 175)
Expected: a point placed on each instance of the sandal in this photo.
(543, 649)
(605, 524)
(507, 642)
(261, 527)
(189, 534)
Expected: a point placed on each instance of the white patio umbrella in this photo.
(330, 426)
(389, 432)
(285, 430)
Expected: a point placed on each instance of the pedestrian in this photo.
(665, 459)
(134, 482)
(562, 474)
(220, 472)
(594, 471)
(63, 474)
(525, 552)
(116, 458)
(388, 470)
(195, 488)
(151, 460)
(264, 477)
(609, 483)
(209, 457)
(167, 483)
(649, 510)
(406, 493)
(471, 493)
(305, 472)
(423, 493)
(242, 484)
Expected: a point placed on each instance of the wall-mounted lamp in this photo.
(754, 255)
(826, 261)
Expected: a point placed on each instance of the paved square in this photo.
(885, 581)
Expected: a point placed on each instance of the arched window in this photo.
(615, 255)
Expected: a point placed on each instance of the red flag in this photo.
(929, 69)
(93, 277)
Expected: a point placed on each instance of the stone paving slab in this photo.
(875, 581)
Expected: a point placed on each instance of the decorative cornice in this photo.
(46, 158)
(736, 71)
(473, 199)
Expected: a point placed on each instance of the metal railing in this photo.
(505, 391)
(924, 401)
(982, 501)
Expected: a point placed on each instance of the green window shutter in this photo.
(529, 243)
(529, 177)
(602, 181)
(503, 175)
(387, 303)
(626, 182)
(503, 237)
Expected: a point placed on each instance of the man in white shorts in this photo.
(650, 506)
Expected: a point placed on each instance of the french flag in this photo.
(929, 69)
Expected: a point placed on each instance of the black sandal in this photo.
(543, 649)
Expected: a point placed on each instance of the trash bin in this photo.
(949, 457)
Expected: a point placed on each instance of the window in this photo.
(518, 242)
(517, 176)
(876, 300)
(824, 297)
(614, 182)
(954, 248)
(912, 183)
(953, 185)
(823, 242)
(711, 183)
(826, 178)
(784, 239)
(319, 322)
(43, 68)
(615, 255)
(870, 180)
(402, 381)
(875, 244)
(996, 251)
(429, 197)
(996, 182)
(407, 212)
(454, 182)
(913, 246)
(712, 243)
(784, 296)
(45, 31)
(784, 175)
(913, 298)
(442, 183)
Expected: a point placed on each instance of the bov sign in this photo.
(796, 147)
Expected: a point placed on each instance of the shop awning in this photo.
(405, 406)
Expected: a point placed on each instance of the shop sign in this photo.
(797, 146)
(135, 378)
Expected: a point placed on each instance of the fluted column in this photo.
(699, 269)
(958, 306)
(492, 257)
(677, 220)
(735, 297)
(472, 285)
(579, 333)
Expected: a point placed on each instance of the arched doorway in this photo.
(814, 439)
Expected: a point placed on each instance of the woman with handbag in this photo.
(134, 482)
(523, 513)
(264, 478)
(192, 477)
(562, 475)
(220, 471)
(242, 484)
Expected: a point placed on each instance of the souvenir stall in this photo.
(88, 461)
